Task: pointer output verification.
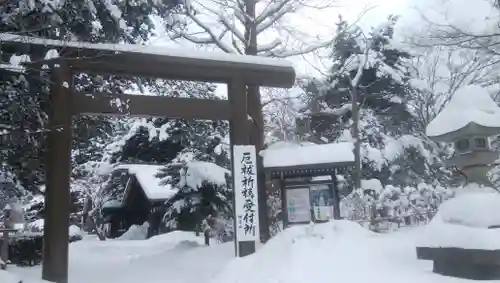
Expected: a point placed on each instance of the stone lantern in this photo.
(468, 121)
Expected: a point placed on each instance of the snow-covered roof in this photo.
(146, 176)
(470, 106)
(294, 154)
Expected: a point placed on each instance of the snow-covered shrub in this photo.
(391, 204)
(274, 213)
(25, 249)
(220, 229)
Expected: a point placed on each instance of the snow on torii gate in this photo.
(236, 71)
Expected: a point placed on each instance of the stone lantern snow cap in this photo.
(470, 112)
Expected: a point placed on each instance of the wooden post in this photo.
(239, 136)
(257, 125)
(284, 208)
(335, 196)
(206, 235)
(5, 248)
(57, 195)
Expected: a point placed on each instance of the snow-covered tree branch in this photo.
(281, 109)
(225, 24)
(439, 71)
(445, 24)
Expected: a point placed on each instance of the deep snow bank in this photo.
(464, 221)
(6, 277)
(339, 251)
(299, 254)
(176, 257)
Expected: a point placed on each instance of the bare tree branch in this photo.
(441, 71)
(227, 32)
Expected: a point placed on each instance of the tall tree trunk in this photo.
(257, 123)
(355, 135)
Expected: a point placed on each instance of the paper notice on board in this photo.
(298, 205)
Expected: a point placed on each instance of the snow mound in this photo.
(134, 246)
(463, 222)
(478, 210)
(6, 277)
(470, 104)
(458, 236)
(187, 244)
(372, 184)
(136, 232)
(75, 231)
(473, 188)
(300, 254)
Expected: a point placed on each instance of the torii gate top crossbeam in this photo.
(162, 62)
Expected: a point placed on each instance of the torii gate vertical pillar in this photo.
(257, 139)
(239, 135)
(57, 193)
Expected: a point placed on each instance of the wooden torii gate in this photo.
(140, 61)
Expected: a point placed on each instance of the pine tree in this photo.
(391, 150)
(202, 190)
(383, 85)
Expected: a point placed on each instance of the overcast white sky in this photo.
(322, 23)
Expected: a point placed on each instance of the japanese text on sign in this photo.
(246, 201)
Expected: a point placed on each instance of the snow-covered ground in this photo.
(176, 257)
(339, 251)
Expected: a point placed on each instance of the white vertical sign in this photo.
(245, 193)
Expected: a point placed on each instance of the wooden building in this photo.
(306, 176)
(134, 196)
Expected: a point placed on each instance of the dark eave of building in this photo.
(302, 171)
